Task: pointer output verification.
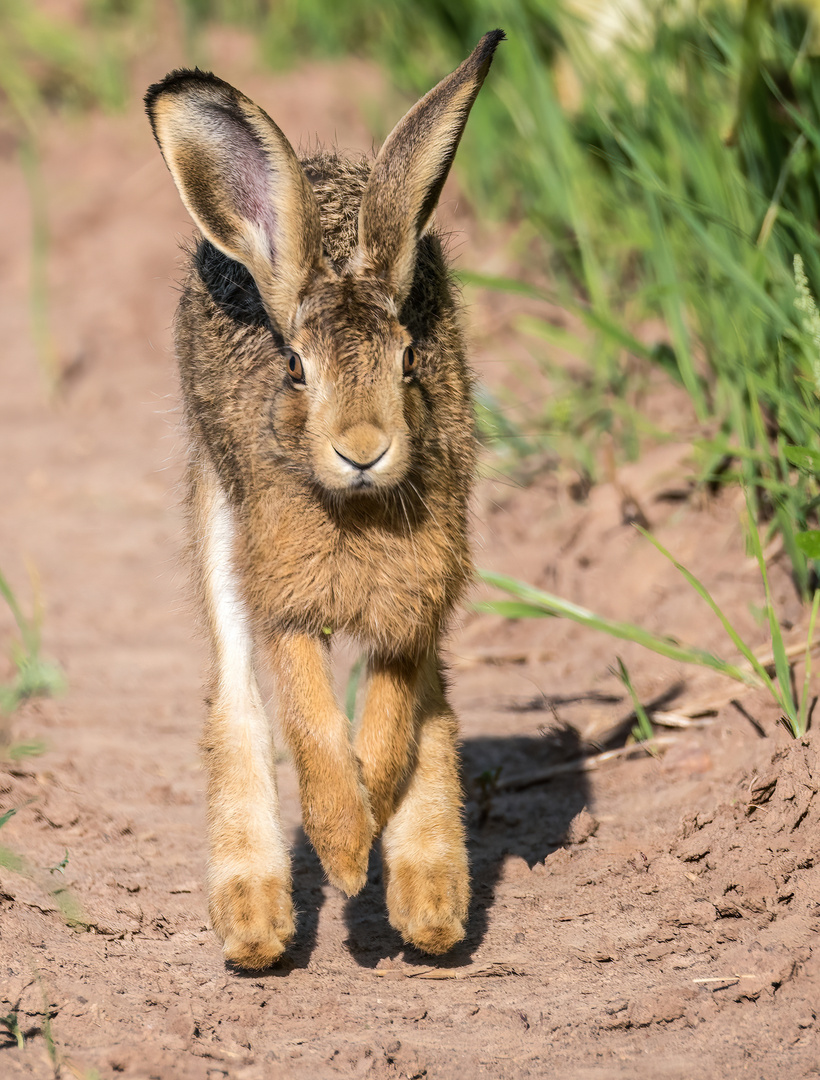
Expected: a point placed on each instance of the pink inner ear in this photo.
(245, 171)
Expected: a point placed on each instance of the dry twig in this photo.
(487, 971)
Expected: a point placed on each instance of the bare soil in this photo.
(651, 917)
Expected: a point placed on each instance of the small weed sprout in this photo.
(642, 732)
(36, 676)
(487, 788)
(67, 904)
(9, 859)
(12, 1025)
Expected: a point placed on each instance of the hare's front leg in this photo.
(249, 869)
(408, 745)
(335, 804)
(386, 739)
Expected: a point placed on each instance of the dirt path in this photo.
(668, 930)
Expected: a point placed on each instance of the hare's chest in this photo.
(389, 589)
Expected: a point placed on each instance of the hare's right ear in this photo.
(410, 171)
(241, 182)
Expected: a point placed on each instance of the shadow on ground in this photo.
(530, 823)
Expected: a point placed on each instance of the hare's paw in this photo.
(427, 902)
(341, 828)
(253, 915)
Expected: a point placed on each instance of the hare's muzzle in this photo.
(359, 449)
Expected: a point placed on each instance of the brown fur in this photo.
(333, 502)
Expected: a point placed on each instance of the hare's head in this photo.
(347, 405)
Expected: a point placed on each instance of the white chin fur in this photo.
(336, 474)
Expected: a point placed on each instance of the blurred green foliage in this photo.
(47, 60)
(35, 675)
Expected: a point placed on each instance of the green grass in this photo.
(50, 63)
(66, 902)
(643, 730)
(60, 1065)
(9, 859)
(530, 602)
(671, 197)
(36, 675)
(11, 1023)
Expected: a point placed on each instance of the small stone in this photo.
(696, 913)
(582, 827)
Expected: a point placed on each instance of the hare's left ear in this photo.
(410, 170)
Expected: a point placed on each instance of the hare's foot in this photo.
(340, 825)
(424, 846)
(427, 901)
(253, 915)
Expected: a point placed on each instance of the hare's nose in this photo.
(362, 446)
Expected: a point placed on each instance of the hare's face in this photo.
(350, 400)
(343, 408)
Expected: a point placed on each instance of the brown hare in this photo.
(327, 399)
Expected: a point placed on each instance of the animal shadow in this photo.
(503, 819)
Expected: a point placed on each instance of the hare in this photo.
(327, 399)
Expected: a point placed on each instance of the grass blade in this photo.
(803, 715)
(27, 629)
(544, 604)
(513, 609)
(704, 593)
(809, 543)
(804, 458)
(781, 663)
(643, 730)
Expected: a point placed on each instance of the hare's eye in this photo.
(409, 361)
(295, 366)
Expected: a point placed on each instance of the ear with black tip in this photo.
(410, 170)
(241, 182)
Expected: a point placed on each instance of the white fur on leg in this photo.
(249, 867)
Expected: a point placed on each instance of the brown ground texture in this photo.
(650, 917)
